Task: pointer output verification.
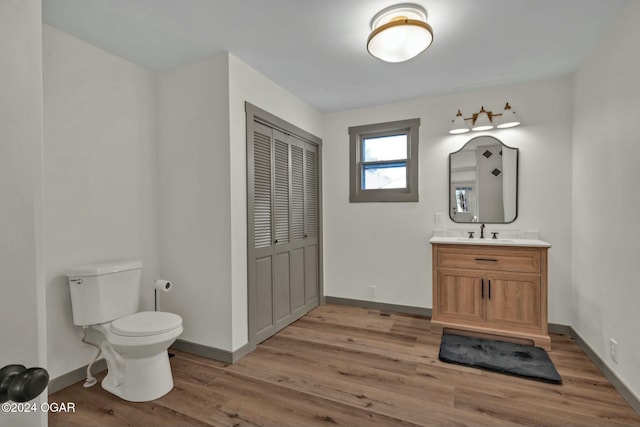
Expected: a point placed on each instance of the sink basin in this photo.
(483, 241)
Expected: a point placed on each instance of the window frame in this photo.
(357, 135)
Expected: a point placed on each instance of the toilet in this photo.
(105, 298)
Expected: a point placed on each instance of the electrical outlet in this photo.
(613, 349)
(372, 291)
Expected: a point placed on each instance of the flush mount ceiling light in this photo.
(485, 120)
(399, 33)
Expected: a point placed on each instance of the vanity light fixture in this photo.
(485, 120)
(399, 33)
(482, 120)
(459, 125)
(509, 118)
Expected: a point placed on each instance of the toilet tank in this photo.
(104, 292)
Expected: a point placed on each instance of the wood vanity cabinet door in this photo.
(514, 301)
(460, 296)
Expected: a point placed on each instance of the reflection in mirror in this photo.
(483, 182)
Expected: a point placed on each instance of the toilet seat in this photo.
(145, 323)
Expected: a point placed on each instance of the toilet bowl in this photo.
(105, 298)
(135, 349)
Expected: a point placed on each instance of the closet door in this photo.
(282, 242)
(283, 230)
(304, 228)
(311, 225)
(298, 300)
(261, 236)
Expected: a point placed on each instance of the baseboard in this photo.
(209, 352)
(619, 385)
(554, 328)
(70, 378)
(241, 352)
(406, 309)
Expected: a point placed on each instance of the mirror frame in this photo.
(517, 180)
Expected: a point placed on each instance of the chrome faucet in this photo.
(482, 231)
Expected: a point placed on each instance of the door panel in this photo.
(297, 191)
(311, 274)
(282, 292)
(264, 294)
(262, 211)
(298, 241)
(297, 282)
(515, 301)
(310, 191)
(460, 296)
(281, 189)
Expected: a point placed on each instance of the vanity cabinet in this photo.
(495, 290)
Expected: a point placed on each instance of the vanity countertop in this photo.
(457, 240)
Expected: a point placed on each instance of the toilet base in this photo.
(147, 378)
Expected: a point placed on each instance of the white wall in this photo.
(386, 244)
(246, 84)
(22, 306)
(202, 140)
(100, 190)
(606, 232)
(193, 138)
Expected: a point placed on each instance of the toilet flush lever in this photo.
(76, 281)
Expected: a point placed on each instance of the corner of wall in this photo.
(604, 159)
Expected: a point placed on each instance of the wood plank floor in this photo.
(353, 366)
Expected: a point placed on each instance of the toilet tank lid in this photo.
(103, 268)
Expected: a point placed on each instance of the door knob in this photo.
(20, 384)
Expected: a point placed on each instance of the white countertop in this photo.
(457, 240)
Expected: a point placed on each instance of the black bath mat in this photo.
(500, 356)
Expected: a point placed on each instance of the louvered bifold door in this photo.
(298, 300)
(311, 225)
(283, 229)
(282, 242)
(261, 236)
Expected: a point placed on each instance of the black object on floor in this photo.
(499, 356)
(19, 384)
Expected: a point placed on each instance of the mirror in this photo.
(483, 182)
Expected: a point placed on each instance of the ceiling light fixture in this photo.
(485, 120)
(399, 33)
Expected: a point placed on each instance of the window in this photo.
(384, 162)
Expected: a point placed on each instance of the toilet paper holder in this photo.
(164, 286)
(160, 285)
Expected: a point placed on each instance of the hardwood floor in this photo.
(353, 366)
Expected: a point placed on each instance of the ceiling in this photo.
(316, 48)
